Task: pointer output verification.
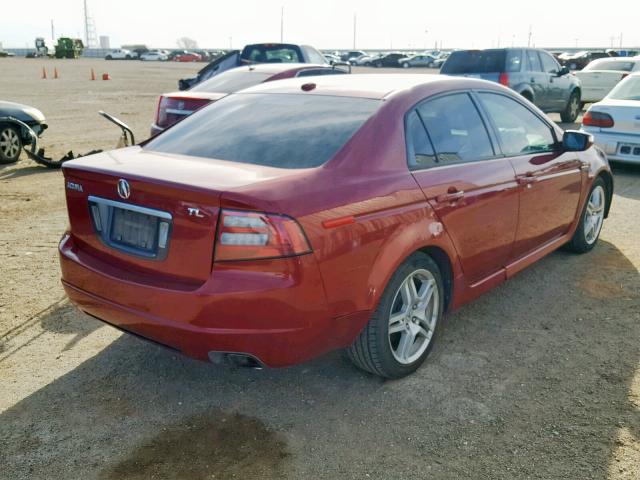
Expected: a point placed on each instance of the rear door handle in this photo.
(450, 196)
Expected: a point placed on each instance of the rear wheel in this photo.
(108, 57)
(406, 65)
(527, 95)
(402, 330)
(588, 231)
(10, 144)
(572, 110)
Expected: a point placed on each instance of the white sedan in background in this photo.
(614, 122)
(154, 56)
(600, 76)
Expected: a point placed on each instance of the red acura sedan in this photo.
(175, 106)
(312, 214)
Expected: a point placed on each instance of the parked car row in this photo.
(163, 55)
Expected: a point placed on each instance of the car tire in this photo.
(591, 220)
(367, 64)
(127, 57)
(573, 66)
(108, 57)
(405, 65)
(400, 352)
(572, 109)
(10, 144)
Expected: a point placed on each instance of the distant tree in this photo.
(186, 43)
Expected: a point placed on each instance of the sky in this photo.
(328, 24)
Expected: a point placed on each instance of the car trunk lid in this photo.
(151, 213)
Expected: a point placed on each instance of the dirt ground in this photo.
(538, 379)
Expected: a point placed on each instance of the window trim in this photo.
(489, 129)
(556, 148)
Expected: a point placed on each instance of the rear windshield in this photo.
(628, 89)
(475, 61)
(605, 64)
(231, 81)
(271, 54)
(276, 130)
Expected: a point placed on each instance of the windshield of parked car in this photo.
(628, 89)
(271, 54)
(231, 81)
(475, 61)
(276, 130)
(606, 64)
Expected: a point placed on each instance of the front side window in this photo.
(315, 56)
(420, 153)
(456, 129)
(275, 130)
(549, 65)
(520, 131)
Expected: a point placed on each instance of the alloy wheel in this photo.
(594, 215)
(413, 316)
(9, 143)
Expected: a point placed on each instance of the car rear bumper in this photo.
(274, 310)
(611, 144)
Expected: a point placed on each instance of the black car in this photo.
(388, 60)
(256, 53)
(13, 133)
(581, 59)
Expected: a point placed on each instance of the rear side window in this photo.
(534, 61)
(475, 61)
(456, 129)
(514, 61)
(519, 130)
(420, 153)
(231, 81)
(276, 130)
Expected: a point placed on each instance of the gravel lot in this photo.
(539, 379)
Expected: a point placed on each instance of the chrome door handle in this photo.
(450, 196)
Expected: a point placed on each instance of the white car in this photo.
(600, 76)
(614, 122)
(154, 56)
(120, 54)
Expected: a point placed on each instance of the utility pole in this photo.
(53, 33)
(86, 24)
(282, 24)
(355, 20)
(529, 41)
(620, 40)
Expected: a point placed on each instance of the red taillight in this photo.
(597, 119)
(251, 235)
(503, 79)
(173, 109)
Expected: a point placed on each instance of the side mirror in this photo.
(576, 141)
(563, 71)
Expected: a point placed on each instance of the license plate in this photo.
(134, 229)
(629, 149)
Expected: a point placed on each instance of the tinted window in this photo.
(271, 54)
(549, 65)
(475, 61)
(514, 61)
(605, 64)
(419, 150)
(534, 61)
(519, 130)
(456, 129)
(278, 130)
(232, 81)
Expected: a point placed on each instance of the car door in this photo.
(473, 192)
(559, 87)
(538, 80)
(550, 180)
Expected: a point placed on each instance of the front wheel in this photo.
(402, 330)
(405, 65)
(588, 230)
(10, 144)
(572, 109)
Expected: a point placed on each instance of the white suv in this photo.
(120, 54)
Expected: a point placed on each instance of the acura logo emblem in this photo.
(124, 190)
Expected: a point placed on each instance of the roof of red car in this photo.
(357, 85)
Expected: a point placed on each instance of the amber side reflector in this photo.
(339, 222)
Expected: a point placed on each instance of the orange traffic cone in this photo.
(44, 73)
(55, 73)
(105, 76)
(93, 74)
